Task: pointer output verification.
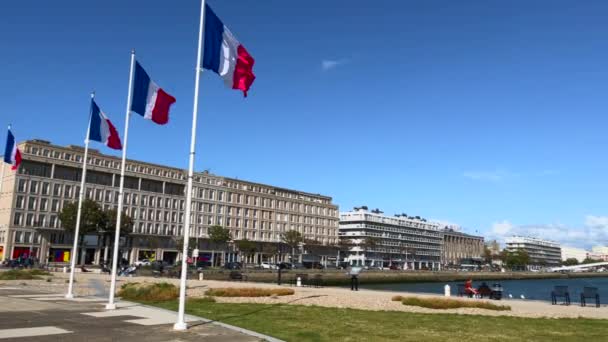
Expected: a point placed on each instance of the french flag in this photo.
(12, 155)
(225, 55)
(101, 129)
(149, 100)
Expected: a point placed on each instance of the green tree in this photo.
(589, 260)
(570, 262)
(247, 247)
(91, 219)
(293, 239)
(219, 236)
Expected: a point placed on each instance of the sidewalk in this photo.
(26, 315)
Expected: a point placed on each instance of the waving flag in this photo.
(102, 129)
(225, 55)
(149, 100)
(12, 155)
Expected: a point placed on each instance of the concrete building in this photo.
(541, 252)
(49, 177)
(408, 242)
(459, 248)
(574, 253)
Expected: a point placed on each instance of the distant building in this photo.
(574, 253)
(404, 241)
(541, 252)
(460, 247)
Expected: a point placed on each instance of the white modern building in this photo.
(407, 242)
(541, 252)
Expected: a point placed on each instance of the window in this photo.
(130, 182)
(17, 219)
(33, 168)
(29, 220)
(174, 189)
(55, 206)
(20, 202)
(151, 185)
(22, 185)
(67, 173)
(45, 188)
(57, 190)
(67, 191)
(31, 204)
(44, 204)
(101, 178)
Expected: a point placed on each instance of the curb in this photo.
(225, 325)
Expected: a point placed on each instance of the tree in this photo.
(570, 262)
(219, 235)
(517, 258)
(107, 227)
(91, 219)
(293, 239)
(247, 247)
(589, 260)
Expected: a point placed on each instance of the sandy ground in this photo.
(97, 284)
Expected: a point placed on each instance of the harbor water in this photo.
(530, 289)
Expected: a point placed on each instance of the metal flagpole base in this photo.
(110, 306)
(69, 296)
(180, 326)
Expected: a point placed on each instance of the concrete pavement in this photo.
(31, 316)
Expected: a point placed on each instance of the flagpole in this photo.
(181, 323)
(70, 294)
(111, 305)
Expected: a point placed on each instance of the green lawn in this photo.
(312, 323)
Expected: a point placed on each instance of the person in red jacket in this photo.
(469, 289)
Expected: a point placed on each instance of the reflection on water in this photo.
(533, 289)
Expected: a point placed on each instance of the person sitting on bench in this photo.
(469, 289)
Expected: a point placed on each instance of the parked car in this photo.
(233, 266)
(285, 266)
(297, 265)
(268, 266)
(143, 262)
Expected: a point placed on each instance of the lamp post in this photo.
(279, 249)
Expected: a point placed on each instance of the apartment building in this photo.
(408, 242)
(541, 252)
(49, 177)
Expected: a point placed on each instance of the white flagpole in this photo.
(181, 323)
(70, 294)
(111, 305)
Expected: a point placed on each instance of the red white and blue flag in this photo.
(149, 100)
(12, 155)
(225, 55)
(101, 128)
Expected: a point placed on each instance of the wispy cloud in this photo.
(490, 176)
(328, 64)
(593, 232)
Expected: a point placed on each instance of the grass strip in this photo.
(247, 292)
(23, 274)
(445, 303)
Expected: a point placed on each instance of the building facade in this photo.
(541, 252)
(49, 177)
(408, 242)
(574, 253)
(460, 248)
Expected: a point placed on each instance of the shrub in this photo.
(158, 292)
(202, 300)
(444, 303)
(248, 292)
(23, 274)
(397, 298)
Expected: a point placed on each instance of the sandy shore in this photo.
(97, 284)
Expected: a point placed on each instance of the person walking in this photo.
(354, 278)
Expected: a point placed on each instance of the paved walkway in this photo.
(31, 316)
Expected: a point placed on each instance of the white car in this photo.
(142, 262)
(268, 266)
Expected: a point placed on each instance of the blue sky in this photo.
(487, 114)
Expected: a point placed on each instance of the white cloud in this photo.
(593, 232)
(328, 64)
(490, 176)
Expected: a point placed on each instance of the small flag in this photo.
(225, 55)
(12, 155)
(149, 100)
(102, 129)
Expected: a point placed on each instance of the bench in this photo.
(560, 292)
(236, 275)
(590, 292)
